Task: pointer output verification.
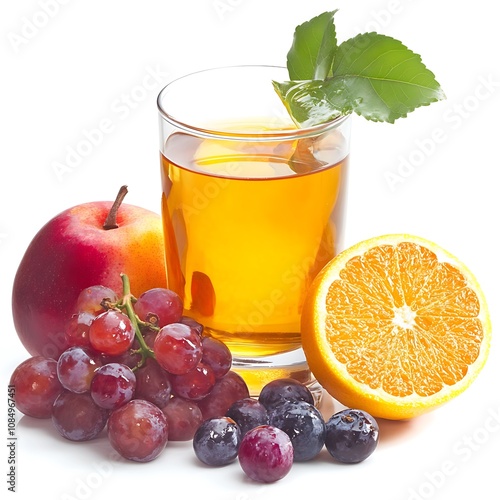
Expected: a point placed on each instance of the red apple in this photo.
(73, 251)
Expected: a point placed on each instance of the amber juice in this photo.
(248, 225)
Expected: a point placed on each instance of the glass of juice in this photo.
(252, 208)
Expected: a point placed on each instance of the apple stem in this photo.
(110, 222)
(127, 299)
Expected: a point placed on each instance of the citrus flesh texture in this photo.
(396, 326)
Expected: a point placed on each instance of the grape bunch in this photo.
(136, 368)
(145, 374)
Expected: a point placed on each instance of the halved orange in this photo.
(396, 326)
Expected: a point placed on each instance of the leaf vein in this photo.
(384, 79)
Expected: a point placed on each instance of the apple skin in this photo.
(73, 251)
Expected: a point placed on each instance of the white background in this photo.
(77, 67)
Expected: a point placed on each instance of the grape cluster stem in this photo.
(126, 303)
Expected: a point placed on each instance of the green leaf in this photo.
(373, 75)
(313, 102)
(383, 79)
(313, 48)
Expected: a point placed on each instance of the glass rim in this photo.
(272, 135)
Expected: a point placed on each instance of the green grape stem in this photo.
(126, 303)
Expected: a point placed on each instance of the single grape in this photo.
(225, 392)
(89, 300)
(248, 413)
(36, 386)
(111, 333)
(184, 417)
(138, 430)
(149, 338)
(113, 385)
(284, 389)
(266, 454)
(159, 306)
(76, 367)
(153, 384)
(130, 358)
(216, 355)
(195, 384)
(304, 425)
(77, 418)
(177, 348)
(216, 441)
(197, 327)
(77, 329)
(351, 435)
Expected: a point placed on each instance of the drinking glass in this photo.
(252, 208)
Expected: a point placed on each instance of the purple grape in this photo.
(111, 333)
(149, 338)
(216, 441)
(284, 389)
(90, 299)
(77, 418)
(177, 348)
(197, 327)
(131, 358)
(113, 385)
(153, 384)
(248, 413)
(76, 367)
(138, 430)
(184, 417)
(304, 425)
(266, 454)
(216, 355)
(36, 386)
(195, 384)
(351, 435)
(77, 329)
(225, 392)
(159, 306)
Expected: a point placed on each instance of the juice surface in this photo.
(248, 225)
